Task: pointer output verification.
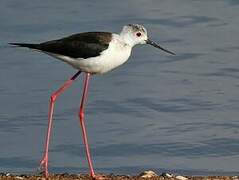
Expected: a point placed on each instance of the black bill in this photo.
(159, 47)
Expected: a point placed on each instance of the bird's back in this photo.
(81, 45)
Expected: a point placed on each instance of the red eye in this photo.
(138, 34)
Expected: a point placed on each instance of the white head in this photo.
(133, 34)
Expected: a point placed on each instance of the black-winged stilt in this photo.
(92, 53)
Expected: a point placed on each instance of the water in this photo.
(167, 113)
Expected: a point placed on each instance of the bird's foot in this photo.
(43, 167)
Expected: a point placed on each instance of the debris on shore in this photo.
(149, 175)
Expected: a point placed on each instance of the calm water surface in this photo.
(168, 113)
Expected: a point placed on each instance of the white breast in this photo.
(117, 53)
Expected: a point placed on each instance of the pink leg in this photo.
(44, 161)
(81, 116)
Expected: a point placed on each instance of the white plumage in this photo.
(115, 55)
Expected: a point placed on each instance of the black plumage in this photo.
(82, 45)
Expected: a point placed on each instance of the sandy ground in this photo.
(149, 175)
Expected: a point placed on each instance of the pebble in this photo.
(235, 177)
(181, 178)
(148, 174)
(18, 177)
(167, 175)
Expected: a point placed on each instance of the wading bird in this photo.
(91, 53)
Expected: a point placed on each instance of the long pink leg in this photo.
(81, 116)
(44, 161)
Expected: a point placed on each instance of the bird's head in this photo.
(133, 34)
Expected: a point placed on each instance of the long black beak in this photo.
(159, 47)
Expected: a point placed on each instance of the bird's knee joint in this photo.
(81, 115)
(53, 98)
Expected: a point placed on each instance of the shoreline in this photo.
(149, 175)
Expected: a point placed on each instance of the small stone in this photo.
(167, 175)
(148, 174)
(181, 178)
(235, 177)
(18, 177)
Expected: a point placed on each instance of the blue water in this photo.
(161, 112)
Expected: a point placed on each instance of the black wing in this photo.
(82, 45)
